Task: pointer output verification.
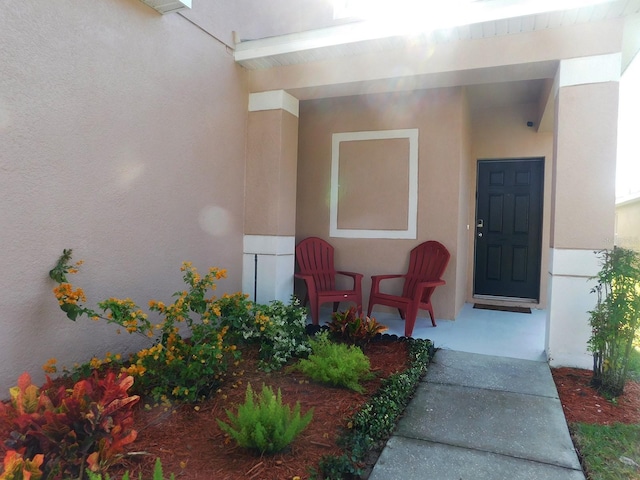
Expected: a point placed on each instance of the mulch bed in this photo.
(191, 445)
(582, 403)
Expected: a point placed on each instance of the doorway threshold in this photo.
(498, 298)
(501, 308)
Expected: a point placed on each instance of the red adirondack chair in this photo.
(427, 263)
(315, 263)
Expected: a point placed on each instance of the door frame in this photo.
(474, 295)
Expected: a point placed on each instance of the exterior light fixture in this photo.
(168, 6)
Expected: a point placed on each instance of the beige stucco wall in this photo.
(122, 136)
(584, 188)
(271, 173)
(439, 115)
(502, 133)
(628, 224)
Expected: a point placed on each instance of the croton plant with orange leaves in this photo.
(56, 432)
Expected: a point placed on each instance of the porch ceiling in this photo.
(483, 19)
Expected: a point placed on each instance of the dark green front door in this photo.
(508, 229)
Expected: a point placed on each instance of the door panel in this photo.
(509, 228)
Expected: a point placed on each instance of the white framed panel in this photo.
(410, 232)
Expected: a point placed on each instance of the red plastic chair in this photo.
(427, 263)
(315, 263)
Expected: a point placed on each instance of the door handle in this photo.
(480, 223)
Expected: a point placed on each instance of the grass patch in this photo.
(608, 450)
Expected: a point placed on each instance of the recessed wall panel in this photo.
(373, 186)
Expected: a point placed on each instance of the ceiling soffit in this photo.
(364, 37)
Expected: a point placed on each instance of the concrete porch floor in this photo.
(488, 332)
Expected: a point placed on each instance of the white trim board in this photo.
(274, 100)
(412, 199)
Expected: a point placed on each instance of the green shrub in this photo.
(277, 328)
(336, 364)
(615, 319)
(333, 467)
(263, 423)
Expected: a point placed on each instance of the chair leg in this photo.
(335, 306)
(315, 312)
(433, 317)
(410, 321)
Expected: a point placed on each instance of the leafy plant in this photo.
(178, 367)
(284, 335)
(333, 467)
(354, 328)
(615, 319)
(16, 467)
(336, 364)
(88, 424)
(263, 423)
(157, 474)
(277, 328)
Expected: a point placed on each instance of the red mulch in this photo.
(191, 445)
(582, 403)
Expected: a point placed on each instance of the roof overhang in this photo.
(479, 19)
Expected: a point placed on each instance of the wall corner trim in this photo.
(594, 69)
(274, 100)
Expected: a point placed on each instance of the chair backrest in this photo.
(427, 262)
(315, 257)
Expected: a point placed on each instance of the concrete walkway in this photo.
(477, 416)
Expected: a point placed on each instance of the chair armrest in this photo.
(431, 283)
(422, 286)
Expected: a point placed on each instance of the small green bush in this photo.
(615, 319)
(336, 364)
(263, 423)
(279, 329)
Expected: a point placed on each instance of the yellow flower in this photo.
(50, 366)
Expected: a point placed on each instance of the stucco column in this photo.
(583, 199)
(270, 196)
